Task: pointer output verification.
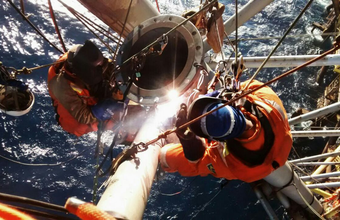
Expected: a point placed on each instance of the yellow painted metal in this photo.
(321, 192)
(337, 67)
(331, 213)
(322, 168)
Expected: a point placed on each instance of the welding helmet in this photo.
(85, 62)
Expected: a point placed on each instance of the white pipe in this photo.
(315, 157)
(285, 179)
(129, 188)
(316, 113)
(323, 133)
(289, 61)
(244, 14)
(319, 176)
(113, 13)
(323, 185)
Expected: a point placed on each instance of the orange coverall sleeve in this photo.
(70, 100)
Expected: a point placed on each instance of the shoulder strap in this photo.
(250, 157)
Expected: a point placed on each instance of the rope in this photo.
(29, 70)
(56, 25)
(22, 6)
(157, 5)
(96, 35)
(278, 37)
(208, 203)
(105, 157)
(307, 174)
(33, 26)
(179, 192)
(76, 14)
(123, 28)
(309, 206)
(43, 164)
(99, 28)
(278, 43)
(219, 40)
(236, 31)
(229, 41)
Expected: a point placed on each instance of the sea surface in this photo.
(36, 138)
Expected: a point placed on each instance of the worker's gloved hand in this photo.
(18, 84)
(106, 109)
(183, 133)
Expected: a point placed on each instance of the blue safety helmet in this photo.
(225, 123)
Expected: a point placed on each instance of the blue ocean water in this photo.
(36, 138)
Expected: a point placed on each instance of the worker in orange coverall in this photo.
(80, 90)
(246, 141)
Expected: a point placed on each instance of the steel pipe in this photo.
(289, 61)
(323, 133)
(323, 185)
(316, 113)
(317, 163)
(319, 176)
(315, 157)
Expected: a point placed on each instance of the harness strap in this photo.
(253, 158)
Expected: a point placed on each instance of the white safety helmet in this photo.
(15, 102)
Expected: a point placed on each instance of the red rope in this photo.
(56, 25)
(157, 5)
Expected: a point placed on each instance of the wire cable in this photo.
(278, 43)
(56, 25)
(33, 26)
(43, 164)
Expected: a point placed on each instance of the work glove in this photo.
(181, 119)
(193, 146)
(21, 86)
(107, 108)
